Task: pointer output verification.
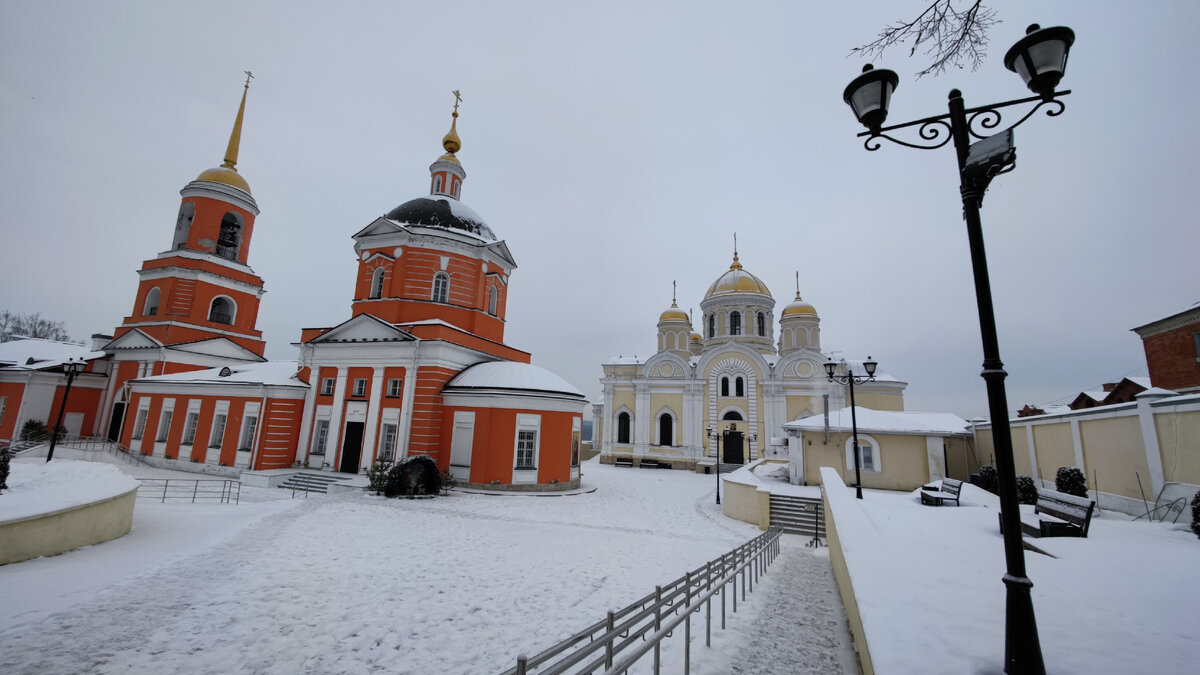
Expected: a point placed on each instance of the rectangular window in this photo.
(395, 387)
(248, 429)
(360, 386)
(139, 427)
(388, 443)
(526, 441)
(218, 432)
(3, 405)
(164, 426)
(189, 428)
(320, 436)
(866, 457)
(327, 386)
(1196, 336)
(575, 448)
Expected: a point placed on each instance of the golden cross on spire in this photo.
(672, 292)
(457, 100)
(249, 76)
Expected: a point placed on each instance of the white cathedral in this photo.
(734, 386)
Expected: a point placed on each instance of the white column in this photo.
(935, 453)
(367, 456)
(796, 459)
(606, 436)
(335, 420)
(1033, 458)
(406, 408)
(1077, 444)
(641, 414)
(1150, 440)
(304, 443)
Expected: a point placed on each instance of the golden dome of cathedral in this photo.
(798, 307)
(736, 280)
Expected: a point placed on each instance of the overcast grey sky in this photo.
(617, 147)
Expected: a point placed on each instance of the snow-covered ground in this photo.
(357, 583)
(928, 585)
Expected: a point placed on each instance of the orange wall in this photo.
(207, 223)
(494, 444)
(86, 401)
(13, 391)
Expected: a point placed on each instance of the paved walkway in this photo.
(802, 625)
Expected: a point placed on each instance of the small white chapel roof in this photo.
(885, 422)
(281, 373)
(38, 354)
(511, 375)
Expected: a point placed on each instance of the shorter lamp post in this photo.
(73, 367)
(851, 379)
(716, 437)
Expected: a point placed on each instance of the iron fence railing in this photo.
(206, 490)
(615, 643)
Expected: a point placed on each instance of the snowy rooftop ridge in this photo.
(278, 373)
(16, 354)
(886, 421)
(512, 375)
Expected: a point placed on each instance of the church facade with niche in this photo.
(734, 385)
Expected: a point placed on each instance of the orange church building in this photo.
(419, 367)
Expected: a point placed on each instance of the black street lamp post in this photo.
(715, 436)
(851, 379)
(73, 367)
(1040, 58)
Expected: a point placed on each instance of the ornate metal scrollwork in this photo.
(936, 133)
(990, 118)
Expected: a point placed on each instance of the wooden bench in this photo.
(1057, 514)
(933, 496)
(623, 461)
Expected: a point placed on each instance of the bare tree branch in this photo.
(947, 35)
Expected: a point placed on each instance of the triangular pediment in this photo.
(134, 339)
(378, 226)
(219, 347)
(364, 328)
(501, 249)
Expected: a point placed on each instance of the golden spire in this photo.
(673, 294)
(798, 285)
(736, 265)
(451, 141)
(235, 138)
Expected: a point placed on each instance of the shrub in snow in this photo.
(448, 481)
(417, 475)
(988, 480)
(1026, 490)
(377, 476)
(5, 456)
(34, 430)
(1070, 480)
(1196, 514)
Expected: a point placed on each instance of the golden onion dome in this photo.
(673, 313)
(226, 176)
(736, 280)
(798, 307)
(696, 338)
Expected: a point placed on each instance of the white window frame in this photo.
(864, 440)
(139, 425)
(360, 387)
(164, 423)
(440, 291)
(151, 309)
(249, 432)
(327, 386)
(233, 310)
(389, 432)
(377, 284)
(320, 436)
(658, 426)
(189, 427)
(493, 299)
(529, 425)
(395, 388)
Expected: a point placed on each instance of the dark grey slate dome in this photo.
(437, 211)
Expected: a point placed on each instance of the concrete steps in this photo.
(798, 515)
(311, 482)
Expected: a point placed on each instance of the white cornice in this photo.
(222, 192)
(200, 275)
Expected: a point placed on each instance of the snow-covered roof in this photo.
(444, 212)
(886, 421)
(625, 361)
(511, 375)
(17, 354)
(1140, 381)
(266, 373)
(1098, 396)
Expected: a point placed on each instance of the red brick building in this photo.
(1172, 347)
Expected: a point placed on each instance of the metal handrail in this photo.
(650, 619)
(228, 491)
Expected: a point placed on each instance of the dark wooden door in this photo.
(733, 448)
(352, 447)
(114, 425)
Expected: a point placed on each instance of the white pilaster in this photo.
(641, 415)
(935, 452)
(1150, 440)
(333, 441)
(1077, 445)
(367, 456)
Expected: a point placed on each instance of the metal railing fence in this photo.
(162, 489)
(639, 628)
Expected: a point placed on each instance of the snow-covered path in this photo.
(801, 627)
(354, 583)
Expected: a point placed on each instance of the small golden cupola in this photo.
(446, 174)
(674, 326)
(799, 325)
(227, 173)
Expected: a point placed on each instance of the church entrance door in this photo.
(352, 447)
(733, 448)
(114, 425)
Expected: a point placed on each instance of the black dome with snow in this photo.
(441, 212)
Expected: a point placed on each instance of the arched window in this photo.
(739, 387)
(868, 454)
(229, 240)
(457, 184)
(762, 324)
(493, 300)
(222, 310)
(441, 287)
(377, 283)
(151, 306)
(712, 325)
(724, 386)
(732, 415)
(666, 430)
(735, 323)
(183, 225)
(623, 428)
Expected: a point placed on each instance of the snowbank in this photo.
(38, 487)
